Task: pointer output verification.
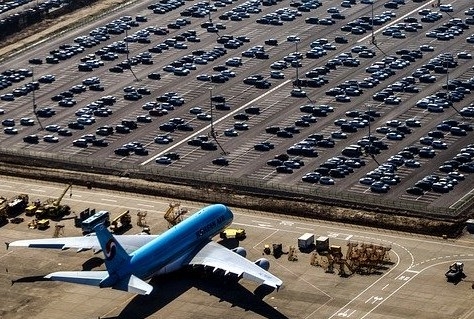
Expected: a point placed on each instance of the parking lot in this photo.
(327, 95)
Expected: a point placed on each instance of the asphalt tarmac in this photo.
(411, 284)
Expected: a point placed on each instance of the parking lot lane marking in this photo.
(385, 286)
(108, 200)
(206, 128)
(37, 190)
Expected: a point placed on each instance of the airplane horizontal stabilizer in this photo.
(138, 286)
(91, 278)
(134, 285)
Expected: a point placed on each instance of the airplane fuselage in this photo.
(179, 241)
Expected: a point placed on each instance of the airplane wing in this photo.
(129, 242)
(219, 257)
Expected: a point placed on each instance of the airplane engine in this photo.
(241, 251)
(263, 263)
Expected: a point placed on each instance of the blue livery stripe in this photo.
(50, 246)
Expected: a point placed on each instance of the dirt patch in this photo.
(49, 27)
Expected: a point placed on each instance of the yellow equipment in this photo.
(39, 224)
(121, 222)
(174, 214)
(52, 208)
(30, 210)
(230, 233)
(42, 224)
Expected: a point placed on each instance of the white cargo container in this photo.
(305, 241)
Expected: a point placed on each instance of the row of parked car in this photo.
(451, 174)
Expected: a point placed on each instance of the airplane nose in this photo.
(229, 213)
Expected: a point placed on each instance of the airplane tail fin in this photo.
(117, 262)
(116, 258)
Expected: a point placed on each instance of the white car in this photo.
(293, 38)
(277, 75)
(50, 138)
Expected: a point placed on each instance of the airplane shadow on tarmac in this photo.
(171, 286)
(30, 279)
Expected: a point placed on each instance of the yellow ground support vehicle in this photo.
(53, 208)
(121, 223)
(30, 210)
(42, 224)
(231, 233)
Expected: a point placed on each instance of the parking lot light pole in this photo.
(213, 132)
(297, 62)
(128, 59)
(34, 100)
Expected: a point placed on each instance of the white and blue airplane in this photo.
(132, 259)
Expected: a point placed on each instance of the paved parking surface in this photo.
(277, 106)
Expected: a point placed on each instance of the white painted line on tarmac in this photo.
(145, 205)
(257, 226)
(368, 288)
(413, 271)
(304, 228)
(37, 190)
(108, 200)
